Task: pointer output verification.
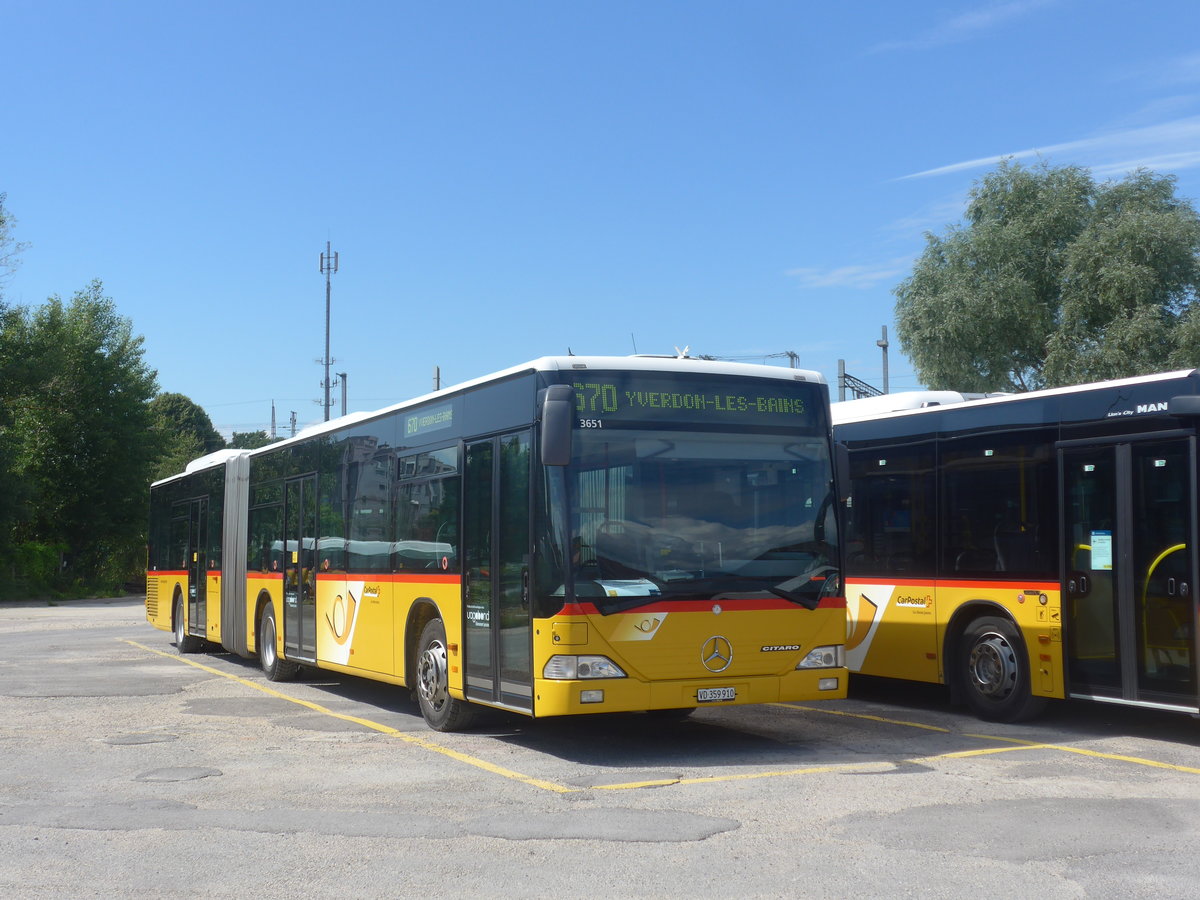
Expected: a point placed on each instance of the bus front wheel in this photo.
(994, 671)
(184, 642)
(276, 668)
(441, 711)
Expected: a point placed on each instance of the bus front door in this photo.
(198, 567)
(189, 540)
(1130, 573)
(496, 554)
(299, 568)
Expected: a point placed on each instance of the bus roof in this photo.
(642, 363)
(919, 402)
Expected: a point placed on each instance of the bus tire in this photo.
(441, 711)
(275, 667)
(993, 669)
(184, 642)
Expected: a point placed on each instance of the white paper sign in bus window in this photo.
(1101, 550)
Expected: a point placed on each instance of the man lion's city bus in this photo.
(574, 535)
(1028, 546)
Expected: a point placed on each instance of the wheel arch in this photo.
(422, 611)
(260, 603)
(177, 605)
(952, 640)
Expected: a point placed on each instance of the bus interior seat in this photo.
(975, 560)
(1016, 547)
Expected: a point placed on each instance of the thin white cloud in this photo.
(1167, 162)
(1176, 140)
(1179, 70)
(967, 26)
(932, 217)
(850, 276)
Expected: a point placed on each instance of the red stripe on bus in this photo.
(665, 606)
(991, 583)
(395, 577)
(176, 573)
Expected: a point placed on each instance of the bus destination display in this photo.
(603, 400)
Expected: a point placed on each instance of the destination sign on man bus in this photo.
(602, 398)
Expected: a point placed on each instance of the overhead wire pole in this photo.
(883, 345)
(329, 265)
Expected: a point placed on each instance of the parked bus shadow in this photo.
(754, 736)
(751, 735)
(1061, 720)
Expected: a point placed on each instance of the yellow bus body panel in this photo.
(898, 629)
(663, 654)
(160, 595)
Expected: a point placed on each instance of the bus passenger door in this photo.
(300, 568)
(198, 567)
(189, 540)
(496, 554)
(1130, 572)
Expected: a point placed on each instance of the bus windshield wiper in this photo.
(810, 583)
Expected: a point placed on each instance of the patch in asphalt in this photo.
(86, 678)
(180, 773)
(1051, 827)
(624, 825)
(122, 740)
(241, 707)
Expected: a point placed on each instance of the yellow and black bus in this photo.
(573, 535)
(1028, 546)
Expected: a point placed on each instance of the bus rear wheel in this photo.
(184, 642)
(994, 671)
(276, 668)
(441, 711)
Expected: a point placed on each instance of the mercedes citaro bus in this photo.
(573, 535)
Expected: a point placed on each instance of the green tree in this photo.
(1054, 279)
(250, 440)
(183, 432)
(13, 370)
(10, 247)
(84, 429)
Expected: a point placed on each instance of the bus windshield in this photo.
(698, 515)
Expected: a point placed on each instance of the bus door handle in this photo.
(1170, 587)
(525, 588)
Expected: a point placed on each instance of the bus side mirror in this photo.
(1187, 405)
(558, 409)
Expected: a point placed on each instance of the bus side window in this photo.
(888, 523)
(999, 505)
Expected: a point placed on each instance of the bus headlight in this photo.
(831, 657)
(572, 668)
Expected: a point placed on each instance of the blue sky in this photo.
(506, 180)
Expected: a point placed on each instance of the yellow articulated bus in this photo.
(1025, 547)
(574, 535)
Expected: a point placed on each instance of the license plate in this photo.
(708, 695)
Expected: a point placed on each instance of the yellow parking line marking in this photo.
(987, 751)
(1021, 744)
(841, 712)
(542, 784)
(747, 776)
(374, 726)
(1116, 757)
